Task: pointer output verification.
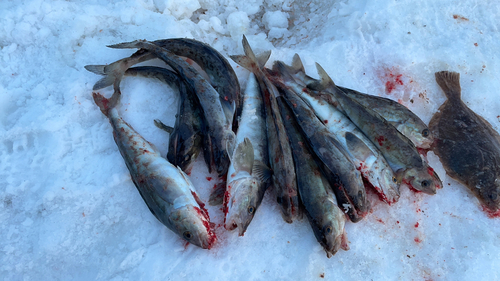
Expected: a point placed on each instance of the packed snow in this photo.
(69, 210)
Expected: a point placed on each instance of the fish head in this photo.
(420, 137)
(357, 194)
(329, 231)
(243, 203)
(389, 183)
(188, 150)
(191, 223)
(489, 195)
(423, 179)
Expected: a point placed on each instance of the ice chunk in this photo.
(238, 23)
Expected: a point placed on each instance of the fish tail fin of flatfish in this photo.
(449, 83)
(325, 81)
(162, 126)
(250, 61)
(106, 104)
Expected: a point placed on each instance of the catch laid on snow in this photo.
(366, 157)
(336, 159)
(248, 176)
(219, 120)
(467, 145)
(325, 217)
(280, 153)
(403, 119)
(398, 150)
(166, 189)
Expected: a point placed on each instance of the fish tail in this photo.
(450, 84)
(284, 70)
(325, 81)
(114, 72)
(107, 104)
(127, 45)
(250, 61)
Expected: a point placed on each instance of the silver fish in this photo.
(219, 124)
(403, 119)
(280, 154)
(248, 176)
(166, 189)
(399, 151)
(366, 157)
(330, 151)
(467, 145)
(325, 217)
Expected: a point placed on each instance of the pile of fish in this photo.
(319, 146)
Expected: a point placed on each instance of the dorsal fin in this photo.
(357, 147)
(325, 81)
(297, 65)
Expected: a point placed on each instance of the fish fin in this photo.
(262, 58)
(106, 104)
(297, 65)
(217, 196)
(261, 171)
(344, 243)
(357, 147)
(97, 69)
(228, 109)
(249, 60)
(230, 143)
(243, 157)
(449, 83)
(164, 127)
(127, 45)
(325, 81)
(208, 153)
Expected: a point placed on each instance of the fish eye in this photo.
(328, 229)
(425, 132)
(187, 235)
(425, 183)
(251, 209)
(493, 196)
(394, 180)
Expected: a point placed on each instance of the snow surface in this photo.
(69, 210)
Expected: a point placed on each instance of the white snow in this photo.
(69, 210)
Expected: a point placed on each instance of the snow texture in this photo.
(69, 210)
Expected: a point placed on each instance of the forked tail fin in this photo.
(106, 104)
(450, 84)
(249, 60)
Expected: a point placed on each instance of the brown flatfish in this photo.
(467, 145)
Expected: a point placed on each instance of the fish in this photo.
(220, 73)
(398, 115)
(166, 189)
(366, 157)
(249, 175)
(467, 145)
(218, 122)
(187, 136)
(113, 74)
(327, 148)
(398, 150)
(280, 153)
(325, 217)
